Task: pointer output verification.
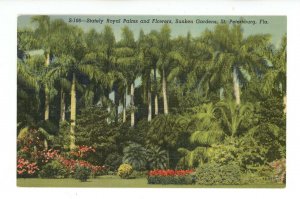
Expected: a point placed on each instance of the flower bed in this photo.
(170, 177)
(55, 164)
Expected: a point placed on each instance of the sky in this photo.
(276, 25)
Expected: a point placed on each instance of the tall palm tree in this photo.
(73, 60)
(144, 46)
(151, 57)
(129, 61)
(241, 55)
(43, 35)
(275, 77)
(168, 59)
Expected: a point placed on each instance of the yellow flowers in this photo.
(125, 171)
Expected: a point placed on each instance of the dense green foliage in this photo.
(54, 169)
(82, 173)
(211, 174)
(170, 180)
(215, 101)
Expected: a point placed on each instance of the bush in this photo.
(82, 173)
(210, 174)
(135, 154)
(171, 179)
(139, 174)
(113, 161)
(53, 169)
(125, 170)
(253, 178)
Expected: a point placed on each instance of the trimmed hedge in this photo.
(211, 174)
(188, 179)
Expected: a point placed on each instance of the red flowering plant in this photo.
(82, 152)
(25, 168)
(171, 177)
(71, 164)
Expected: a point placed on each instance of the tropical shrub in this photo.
(157, 158)
(211, 174)
(82, 173)
(171, 177)
(222, 154)
(125, 170)
(113, 161)
(53, 169)
(135, 155)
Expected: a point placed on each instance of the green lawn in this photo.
(114, 181)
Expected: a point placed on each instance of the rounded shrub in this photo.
(53, 169)
(82, 173)
(211, 174)
(125, 170)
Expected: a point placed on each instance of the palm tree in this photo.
(151, 51)
(135, 155)
(129, 61)
(169, 58)
(156, 157)
(207, 133)
(275, 78)
(233, 116)
(73, 60)
(242, 56)
(28, 86)
(144, 47)
(43, 35)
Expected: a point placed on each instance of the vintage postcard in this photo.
(151, 101)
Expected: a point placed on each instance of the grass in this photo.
(115, 182)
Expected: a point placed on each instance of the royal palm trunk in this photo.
(132, 105)
(46, 113)
(156, 97)
(149, 106)
(124, 106)
(164, 91)
(62, 106)
(47, 97)
(236, 87)
(73, 113)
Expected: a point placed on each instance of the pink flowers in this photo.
(82, 151)
(24, 167)
(29, 161)
(49, 155)
(170, 172)
(279, 167)
(70, 165)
